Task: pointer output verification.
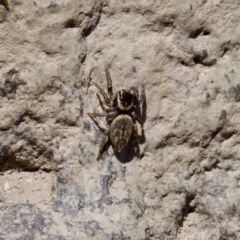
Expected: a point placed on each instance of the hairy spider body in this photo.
(121, 131)
(119, 113)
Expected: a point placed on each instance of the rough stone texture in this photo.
(184, 182)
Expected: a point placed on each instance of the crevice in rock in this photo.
(187, 208)
(173, 139)
(29, 114)
(197, 32)
(30, 170)
(48, 53)
(225, 47)
(149, 233)
(197, 58)
(224, 51)
(212, 136)
(166, 141)
(206, 32)
(70, 24)
(184, 63)
(5, 128)
(82, 58)
(88, 30)
(26, 158)
(201, 58)
(11, 163)
(213, 166)
(91, 27)
(167, 23)
(40, 169)
(227, 134)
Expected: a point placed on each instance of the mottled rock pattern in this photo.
(184, 182)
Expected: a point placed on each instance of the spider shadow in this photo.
(127, 154)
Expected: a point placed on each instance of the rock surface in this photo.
(184, 183)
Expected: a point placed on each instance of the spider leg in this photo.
(135, 92)
(140, 99)
(105, 96)
(135, 116)
(110, 114)
(135, 135)
(104, 108)
(109, 84)
(101, 103)
(103, 142)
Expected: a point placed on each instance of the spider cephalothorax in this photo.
(125, 99)
(120, 112)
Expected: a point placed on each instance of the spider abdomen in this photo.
(121, 131)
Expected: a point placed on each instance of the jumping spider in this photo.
(119, 113)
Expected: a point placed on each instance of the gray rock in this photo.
(183, 180)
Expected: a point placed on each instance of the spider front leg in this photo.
(105, 96)
(104, 108)
(139, 99)
(109, 84)
(101, 103)
(111, 114)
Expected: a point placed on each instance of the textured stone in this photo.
(183, 183)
